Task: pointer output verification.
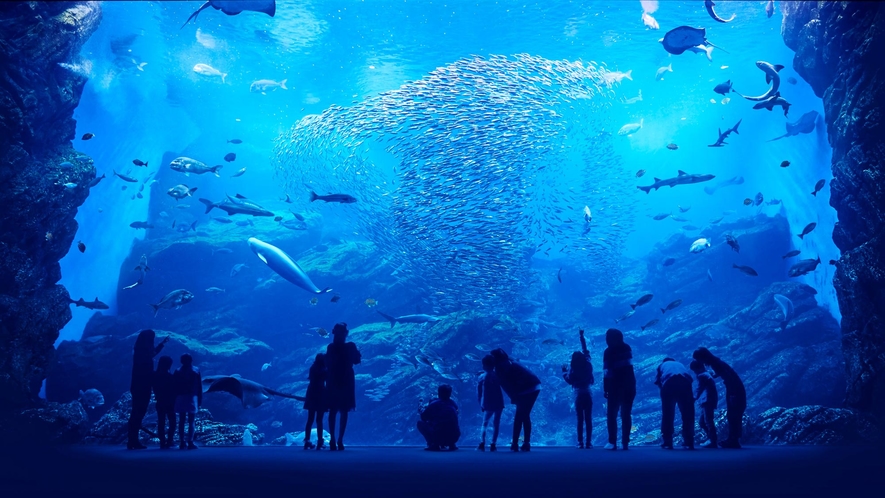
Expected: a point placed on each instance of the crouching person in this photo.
(439, 421)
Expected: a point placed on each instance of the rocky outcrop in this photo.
(53, 423)
(40, 85)
(811, 425)
(113, 426)
(838, 48)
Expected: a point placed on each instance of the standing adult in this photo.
(675, 382)
(735, 395)
(523, 388)
(140, 386)
(619, 387)
(341, 356)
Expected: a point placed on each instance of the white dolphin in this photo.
(283, 265)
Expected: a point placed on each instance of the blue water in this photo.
(354, 73)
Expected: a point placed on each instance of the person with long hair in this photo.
(315, 402)
(579, 375)
(341, 356)
(619, 387)
(142, 379)
(523, 388)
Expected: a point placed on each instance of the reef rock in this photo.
(62, 423)
(112, 428)
(811, 425)
(104, 362)
(39, 89)
(847, 75)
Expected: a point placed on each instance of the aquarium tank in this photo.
(446, 178)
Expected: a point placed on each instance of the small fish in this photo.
(66, 165)
(95, 181)
(808, 228)
(276, 424)
(631, 128)
(81, 246)
(640, 173)
(690, 227)
(642, 300)
(649, 324)
(87, 136)
(207, 70)
(550, 342)
(774, 202)
(483, 347)
(215, 290)
(322, 332)
(759, 198)
(230, 157)
(733, 243)
(791, 80)
(672, 146)
(70, 186)
(278, 218)
(725, 101)
(769, 10)
(472, 357)
(266, 366)
(746, 270)
(559, 275)
(262, 86)
(141, 225)
(785, 164)
(659, 75)
(235, 141)
(335, 298)
(625, 316)
(222, 220)
(672, 306)
(791, 254)
(683, 210)
(91, 398)
(748, 202)
(723, 88)
(699, 246)
(588, 216)
(139, 162)
(661, 216)
(709, 275)
(668, 261)
(125, 178)
(237, 268)
(238, 173)
(712, 101)
(314, 301)
(817, 186)
(371, 303)
(339, 198)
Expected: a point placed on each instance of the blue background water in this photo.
(342, 52)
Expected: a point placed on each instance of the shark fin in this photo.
(681, 173)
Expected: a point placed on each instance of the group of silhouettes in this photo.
(439, 420)
(332, 389)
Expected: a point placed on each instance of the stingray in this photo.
(680, 39)
(805, 124)
(233, 8)
(251, 393)
(786, 308)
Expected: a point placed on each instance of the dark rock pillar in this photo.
(839, 49)
(40, 85)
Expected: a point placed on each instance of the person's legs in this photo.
(140, 402)
(486, 416)
(685, 402)
(517, 426)
(736, 405)
(709, 422)
(181, 417)
(627, 415)
(190, 427)
(343, 427)
(332, 438)
(320, 440)
(579, 412)
(496, 425)
(528, 405)
(611, 416)
(668, 412)
(310, 416)
(426, 430)
(588, 421)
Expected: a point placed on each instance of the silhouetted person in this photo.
(735, 395)
(189, 397)
(707, 398)
(140, 387)
(579, 375)
(619, 387)
(315, 402)
(439, 421)
(523, 388)
(164, 392)
(341, 356)
(491, 402)
(675, 381)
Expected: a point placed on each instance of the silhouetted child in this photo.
(189, 397)
(439, 421)
(164, 392)
(708, 399)
(735, 395)
(491, 402)
(675, 383)
(579, 375)
(315, 401)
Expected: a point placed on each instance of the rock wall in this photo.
(40, 85)
(838, 48)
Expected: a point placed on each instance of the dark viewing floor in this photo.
(409, 471)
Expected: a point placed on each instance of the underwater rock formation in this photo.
(53, 423)
(39, 88)
(810, 425)
(847, 76)
(112, 428)
(102, 359)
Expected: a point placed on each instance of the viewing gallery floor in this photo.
(409, 471)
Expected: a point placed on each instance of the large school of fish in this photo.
(483, 151)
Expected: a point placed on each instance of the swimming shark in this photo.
(283, 265)
(251, 393)
(735, 180)
(233, 8)
(722, 136)
(709, 6)
(805, 124)
(777, 100)
(419, 318)
(236, 205)
(771, 76)
(92, 305)
(682, 178)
